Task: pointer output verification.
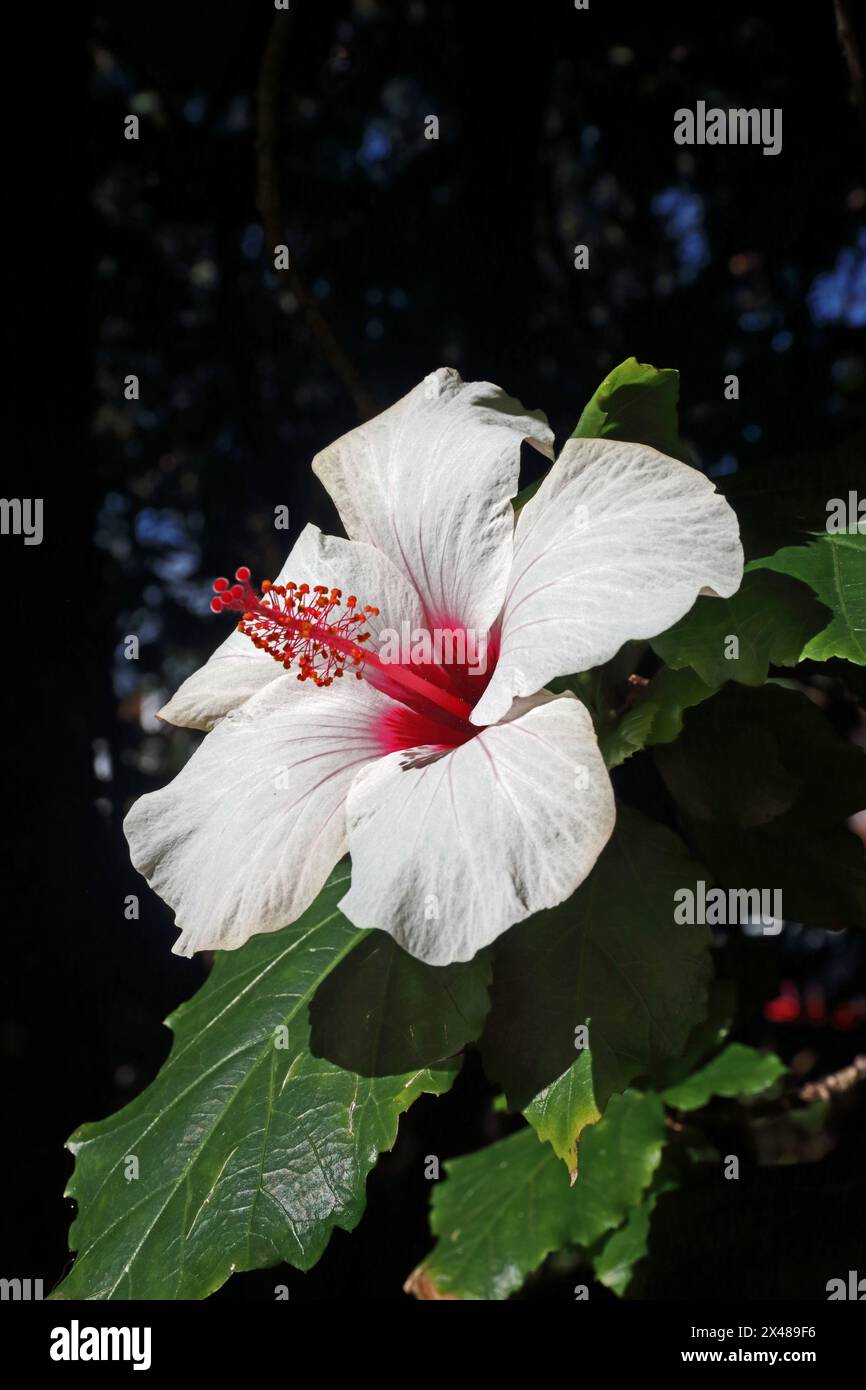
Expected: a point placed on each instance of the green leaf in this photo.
(737, 1071)
(560, 1112)
(614, 1261)
(764, 787)
(772, 617)
(380, 1011)
(612, 955)
(637, 403)
(834, 565)
(705, 1038)
(502, 1211)
(656, 716)
(249, 1150)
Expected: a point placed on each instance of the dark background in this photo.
(147, 257)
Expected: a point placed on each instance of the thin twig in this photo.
(851, 53)
(835, 1084)
(740, 1111)
(273, 220)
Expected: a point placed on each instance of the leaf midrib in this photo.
(264, 1044)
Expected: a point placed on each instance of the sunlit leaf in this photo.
(771, 617)
(637, 403)
(501, 1211)
(612, 957)
(246, 1150)
(737, 1071)
(834, 566)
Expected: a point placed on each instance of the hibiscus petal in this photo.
(237, 669)
(244, 837)
(449, 851)
(617, 544)
(429, 483)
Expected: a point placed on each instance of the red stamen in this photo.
(319, 633)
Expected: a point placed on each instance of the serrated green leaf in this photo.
(705, 1038)
(500, 1212)
(614, 1261)
(612, 955)
(834, 566)
(764, 786)
(656, 716)
(637, 403)
(772, 617)
(561, 1112)
(249, 1150)
(380, 1011)
(737, 1071)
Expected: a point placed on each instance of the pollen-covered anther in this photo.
(310, 628)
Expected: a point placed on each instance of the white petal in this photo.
(244, 837)
(616, 544)
(429, 483)
(451, 851)
(237, 669)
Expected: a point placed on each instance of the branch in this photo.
(851, 53)
(740, 1111)
(836, 1083)
(273, 220)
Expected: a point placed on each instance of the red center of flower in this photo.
(315, 630)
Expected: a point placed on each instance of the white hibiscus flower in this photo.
(467, 801)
